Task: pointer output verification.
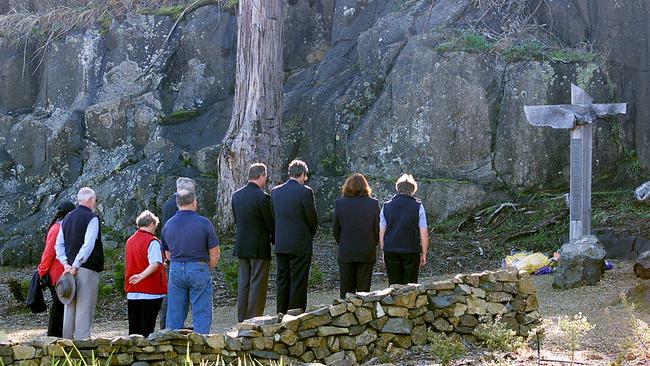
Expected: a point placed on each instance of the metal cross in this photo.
(578, 118)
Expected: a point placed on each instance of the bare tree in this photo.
(254, 132)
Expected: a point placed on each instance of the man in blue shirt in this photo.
(190, 242)
(168, 211)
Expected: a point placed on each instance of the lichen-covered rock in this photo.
(582, 262)
(642, 265)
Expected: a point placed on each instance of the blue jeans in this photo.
(189, 283)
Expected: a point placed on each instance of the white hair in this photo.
(183, 183)
(85, 194)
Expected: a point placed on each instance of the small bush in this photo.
(118, 278)
(497, 336)
(315, 275)
(230, 271)
(574, 329)
(444, 348)
(18, 289)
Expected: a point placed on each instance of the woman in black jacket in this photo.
(356, 230)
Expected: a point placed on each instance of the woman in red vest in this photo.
(144, 277)
(52, 268)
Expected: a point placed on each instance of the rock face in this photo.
(369, 87)
(582, 263)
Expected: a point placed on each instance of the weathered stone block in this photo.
(345, 320)
(476, 306)
(419, 335)
(347, 343)
(443, 325)
(307, 333)
(263, 343)
(307, 357)
(338, 309)
(338, 356)
(496, 308)
(366, 338)
(406, 300)
(333, 344)
(270, 329)
(314, 342)
(361, 353)
(398, 326)
(325, 331)
(297, 349)
(399, 312)
(364, 315)
(316, 321)
(288, 337)
(216, 341)
(23, 352)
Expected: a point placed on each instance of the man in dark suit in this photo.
(251, 207)
(295, 226)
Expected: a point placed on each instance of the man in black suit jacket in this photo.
(295, 226)
(251, 207)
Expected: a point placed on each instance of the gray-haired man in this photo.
(80, 240)
(169, 210)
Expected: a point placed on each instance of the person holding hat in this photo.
(145, 283)
(79, 248)
(51, 269)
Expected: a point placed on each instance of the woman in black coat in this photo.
(356, 230)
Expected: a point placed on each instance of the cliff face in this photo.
(376, 86)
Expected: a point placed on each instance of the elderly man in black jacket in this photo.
(295, 226)
(251, 207)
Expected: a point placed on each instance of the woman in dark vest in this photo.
(51, 267)
(403, 234)
(356, 230)
(144, 277)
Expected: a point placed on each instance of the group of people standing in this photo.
(173, 274)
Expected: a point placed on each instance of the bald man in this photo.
(80, 241)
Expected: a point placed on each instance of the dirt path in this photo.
(611, 322)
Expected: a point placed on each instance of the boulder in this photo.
(642, 265)
(639, 296)
(582, 262)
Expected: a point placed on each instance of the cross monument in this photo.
(578, 118)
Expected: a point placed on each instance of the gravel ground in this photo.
(598, 303)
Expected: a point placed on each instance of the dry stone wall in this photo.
(348, 331)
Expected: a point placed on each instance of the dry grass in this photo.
(24, 28)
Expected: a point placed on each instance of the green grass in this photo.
(181, 115)
(532, 50)
(174, 12)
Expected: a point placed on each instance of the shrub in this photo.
(18, 289)
(315, 275)
(444, 348)
(497, 336)
(574, 329)
(230, 271)
(118, 278)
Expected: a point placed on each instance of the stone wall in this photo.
(362, 325)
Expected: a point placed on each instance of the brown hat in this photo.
(66, 288)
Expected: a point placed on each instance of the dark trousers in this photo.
(142, 316)
(55, 324)
(252, 283)
(293, 276)
(402, 268)
(355, 277)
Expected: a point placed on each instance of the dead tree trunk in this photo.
(254, 132)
